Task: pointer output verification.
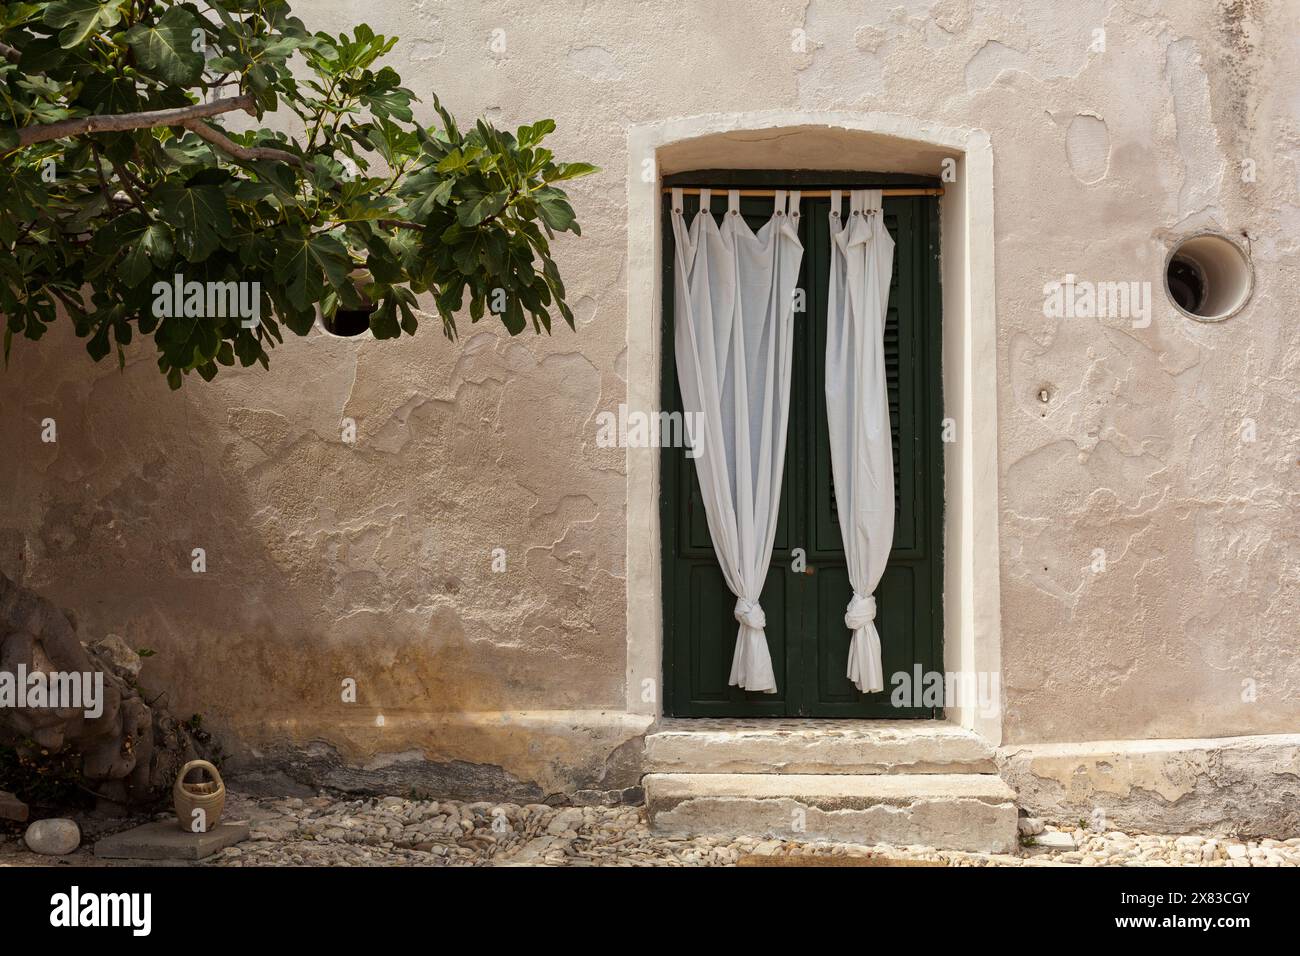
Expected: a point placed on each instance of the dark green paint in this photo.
(805, 612)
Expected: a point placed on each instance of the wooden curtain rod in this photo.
(812, 193)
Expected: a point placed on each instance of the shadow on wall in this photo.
(320, 562)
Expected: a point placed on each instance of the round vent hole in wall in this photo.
(1208, 277)
(347, 322)
(351, 318)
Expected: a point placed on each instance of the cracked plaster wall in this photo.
(374, 562)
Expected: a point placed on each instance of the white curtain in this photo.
(733, 338)
(857, 411)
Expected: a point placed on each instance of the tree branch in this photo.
(125, 176)
(247, 153)
(103, 183)
(119, 122)
(10, 53)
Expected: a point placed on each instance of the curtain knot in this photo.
(750, 614)
(861, 612)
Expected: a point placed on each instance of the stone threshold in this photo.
(815, 746)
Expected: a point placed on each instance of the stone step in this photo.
(681, 745)
(973, 812)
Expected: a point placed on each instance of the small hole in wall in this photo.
(347, 322)
(1186, 284)
(1208, 277)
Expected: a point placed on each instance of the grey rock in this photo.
(118, 655)
(567, 819)
(1030, 826)
(53, 837)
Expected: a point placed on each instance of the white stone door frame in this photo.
(971, 592)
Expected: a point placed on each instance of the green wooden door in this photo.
(805, 612)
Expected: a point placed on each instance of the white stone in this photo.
(1055, 840)
(1030, 826)
(53, 837)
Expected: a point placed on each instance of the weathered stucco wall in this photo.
(374, 562)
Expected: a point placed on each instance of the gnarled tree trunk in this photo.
(131, 752)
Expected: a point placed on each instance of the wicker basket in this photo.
(209, 797)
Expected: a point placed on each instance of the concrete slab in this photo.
(165, 840)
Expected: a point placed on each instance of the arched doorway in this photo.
(886, 143)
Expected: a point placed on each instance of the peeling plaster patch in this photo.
(584, 310)
(844, 65)
(596, 64)
(1288, 242)
(1229, 785)
(266, 429)
(429, 49)
(868, 38)
(1197, 143)
(1047, 46)
(951, 16)
(394, 433)
(1063, 45)
(1087, 147)
(990, 60)
(1171, 780)
(843, 80)
(936, 38)
(555, 521)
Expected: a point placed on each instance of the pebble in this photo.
(1055, 840)
(571, 818)
(53, 837)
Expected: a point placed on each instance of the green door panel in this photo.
(706, 639)
(805, 611)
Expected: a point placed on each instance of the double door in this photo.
(807, 587)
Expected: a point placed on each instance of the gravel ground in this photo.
(393, 831)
